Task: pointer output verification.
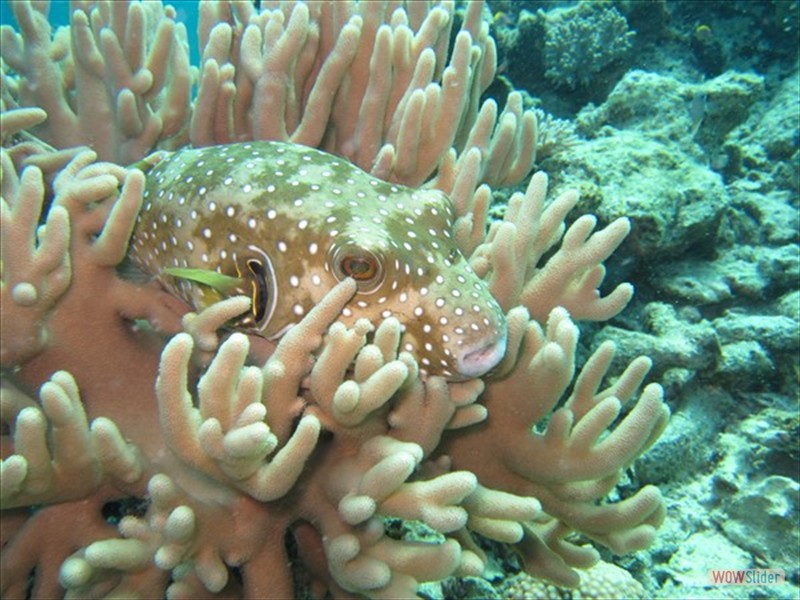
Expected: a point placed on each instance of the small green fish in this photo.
(218, 281)
(284, 223)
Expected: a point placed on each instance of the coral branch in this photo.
(36, 268)
(227, 435)
(57, 456)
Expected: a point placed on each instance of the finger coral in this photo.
(164, 446)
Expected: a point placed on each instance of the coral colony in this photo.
(255, 314)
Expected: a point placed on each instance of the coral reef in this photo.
(564, 51)
(706, 167)
(603, 580)
(158, 452)
(709, 241)
(582, 41)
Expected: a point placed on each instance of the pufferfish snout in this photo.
(284, 223)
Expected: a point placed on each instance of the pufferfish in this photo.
(284, 223)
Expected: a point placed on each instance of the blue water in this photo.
(59, 16)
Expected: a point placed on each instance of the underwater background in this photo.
(685, 117)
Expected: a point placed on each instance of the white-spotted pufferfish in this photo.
(283, 223)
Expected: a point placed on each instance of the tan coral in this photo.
(119, 81)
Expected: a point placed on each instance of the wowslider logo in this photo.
(746, 576)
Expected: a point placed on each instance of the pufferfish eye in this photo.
(359, 263)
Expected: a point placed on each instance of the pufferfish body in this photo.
(283, 224)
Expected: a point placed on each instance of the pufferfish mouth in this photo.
(479, 360)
